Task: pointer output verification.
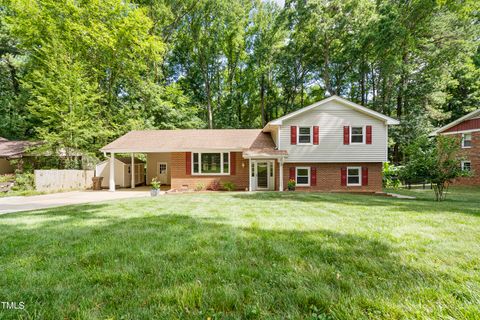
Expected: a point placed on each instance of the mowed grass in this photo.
(249, 256)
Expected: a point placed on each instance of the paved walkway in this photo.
(20, 203)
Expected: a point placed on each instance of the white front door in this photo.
(162, 172)
(263, 170)
(263, 175)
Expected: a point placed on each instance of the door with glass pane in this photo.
(262, 175)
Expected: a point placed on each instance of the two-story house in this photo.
(331, 145)
(467, 130)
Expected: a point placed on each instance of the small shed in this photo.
(122, 172)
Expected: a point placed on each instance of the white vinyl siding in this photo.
(331, 118)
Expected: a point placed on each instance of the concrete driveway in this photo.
(15, 204)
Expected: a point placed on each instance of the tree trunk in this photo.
(209, 105)
(262, 98)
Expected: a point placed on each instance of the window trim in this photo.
(311, 136)
(359, 184)
(308, 176)
(463, 140)
(463, 165)
(364, 133)
(221, 173)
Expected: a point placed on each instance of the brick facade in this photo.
(329, 177)
(179, 177)
(473, 155)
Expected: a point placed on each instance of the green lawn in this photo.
(240, 255)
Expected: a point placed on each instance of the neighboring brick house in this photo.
(467, 130)
(331, 145)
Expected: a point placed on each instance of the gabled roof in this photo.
(190, 140)
(471, 115)
(350, 104)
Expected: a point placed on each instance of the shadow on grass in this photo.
(468, 206)
(174, 266)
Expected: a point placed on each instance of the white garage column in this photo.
(111, 182)
(132, 171)
(280, 176)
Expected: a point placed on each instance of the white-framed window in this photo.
(354, 176)
(210, 163)
(303, 176)
(466, 140)
(466, 166)
(357, 134)
(304, 135)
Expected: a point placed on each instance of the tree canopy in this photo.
(78, 74)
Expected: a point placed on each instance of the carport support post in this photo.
(111, 182)
(132, 171)
(280, 174)
(249, 174)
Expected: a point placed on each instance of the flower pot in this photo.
(154, 192)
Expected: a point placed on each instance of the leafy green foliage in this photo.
(24, 182)
(229, 186)
(438, 163)
(103, 68)
(155, 184)
(390, 175)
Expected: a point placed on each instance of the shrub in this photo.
(24, 181)
(199, 186)
(214, 185)
(391, 175)
(436, 162)
(155, 184)
(229, 186)
(291, 184)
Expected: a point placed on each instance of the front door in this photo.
(262, 175)
(162, 172)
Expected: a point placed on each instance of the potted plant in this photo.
(291, 185)
(155, 187)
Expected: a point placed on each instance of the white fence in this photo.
(55, 180)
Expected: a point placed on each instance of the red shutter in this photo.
(364, 176)
(343, 176)
(346, 135)
(233, 163)
(188, 163)
(313, 176)
(293, 135)
(315, 134)
(292, 173)
(369, 134)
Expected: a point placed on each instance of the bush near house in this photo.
(229, 186)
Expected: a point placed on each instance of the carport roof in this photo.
(191, 140)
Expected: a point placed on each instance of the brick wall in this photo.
(180, 179)
(329, 177)
(473, 155)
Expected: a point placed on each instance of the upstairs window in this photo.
(304, 135)
(356, 135)
(211, 163)
(466, 140)
(466, 166)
